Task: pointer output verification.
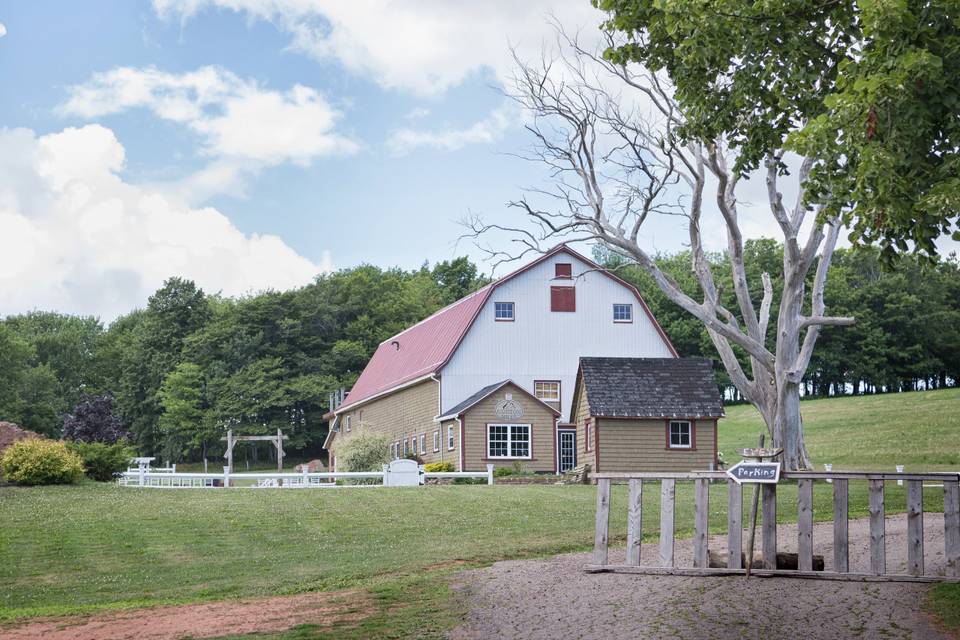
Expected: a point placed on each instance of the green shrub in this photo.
(438, 467)
(103, 461)
(36, 461)
(501, 472)
(364, 452)
(469, 481)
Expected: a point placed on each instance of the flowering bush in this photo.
(37, 461)
(438, 467)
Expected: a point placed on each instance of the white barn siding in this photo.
(544, 345)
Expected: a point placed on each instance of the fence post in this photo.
(634, 522)
(841, 517)
(667, 496)
(489, 474)
(915, 527)
(603, 522)
(951, 526)
(386, 475)
(701, 502)
(805, 524)
(878, 551)
(306, 474)
(734, 524)
(769, 526)
(141, 472)
(226, 477)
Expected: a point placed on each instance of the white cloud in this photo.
(426, 47)
(3, 30)
(488, 130)
(235, 118)
(75, 237)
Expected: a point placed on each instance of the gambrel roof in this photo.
(421, 351)
(650, 387)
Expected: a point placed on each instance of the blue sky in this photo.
(418, 136)
(252, 144)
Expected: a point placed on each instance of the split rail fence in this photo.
(665, 562)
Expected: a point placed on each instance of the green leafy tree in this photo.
(182, 423)
(869, 89)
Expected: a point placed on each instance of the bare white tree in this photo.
(607, 133)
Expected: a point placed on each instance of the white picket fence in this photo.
(166, 479)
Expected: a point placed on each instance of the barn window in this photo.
(547, 390)
(347, 423)
(503, 311)
(681, 434)
(563, 270)
(413, 445)
(436, 441)
(563, 299)
(423, 443)
(589, 436)
(450, 437)
(508, 441)
(406, 447)
(396, 449)
(623, 313)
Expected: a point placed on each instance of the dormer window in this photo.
(503, 311)
(563, 270)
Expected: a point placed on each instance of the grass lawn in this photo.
(920, 430)
(75, 549)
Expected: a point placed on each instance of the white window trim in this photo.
(689, 444)
(513, 311)
(423, 443)
(346, 423)
(436, 441)
(451, 443)
(542, 399)
(622, 304)
(529, 427)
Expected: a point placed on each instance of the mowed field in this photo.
(83, 548)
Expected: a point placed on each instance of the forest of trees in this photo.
(190, 365)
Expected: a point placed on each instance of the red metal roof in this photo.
(427, 346)
(418, 351)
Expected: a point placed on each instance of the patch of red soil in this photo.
(199, 620)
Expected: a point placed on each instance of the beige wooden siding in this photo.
(641, 445)
(400, 416)
(581, 413)
(543, 433)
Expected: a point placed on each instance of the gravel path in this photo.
(555, 598)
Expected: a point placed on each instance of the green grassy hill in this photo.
(920, 430)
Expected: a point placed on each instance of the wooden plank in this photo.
(734, 524)
(915, 527)
(951, 527)
(934, 476)
(780, 573)
(701, 523)
(600, 537)
(667, 496)
(634, 522)
(769, 509)
(841, 526)
(805, 525)
(878, 552)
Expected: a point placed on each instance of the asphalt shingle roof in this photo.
(651, 387)
(475, 398)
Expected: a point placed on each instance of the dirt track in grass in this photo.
(554, 598)
(199, 620)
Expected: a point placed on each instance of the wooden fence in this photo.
(665, 563)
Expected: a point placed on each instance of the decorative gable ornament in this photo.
(508, 408)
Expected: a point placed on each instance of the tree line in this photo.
(190, 365)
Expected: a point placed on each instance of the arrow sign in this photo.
(751, 472)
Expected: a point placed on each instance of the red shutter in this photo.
(563, 270)
(563, 299)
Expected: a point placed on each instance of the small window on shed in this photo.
(681, 434)
(563, 299)
(450, 442)
(623, 313)
(563, 270)
(503, 311)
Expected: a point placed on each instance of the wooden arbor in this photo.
(277, 441)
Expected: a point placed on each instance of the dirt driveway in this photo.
(555, 598)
